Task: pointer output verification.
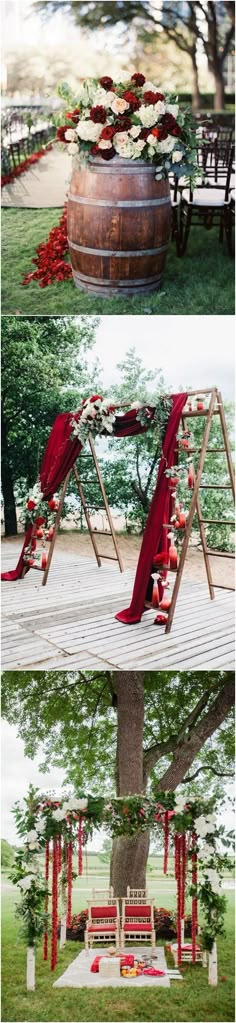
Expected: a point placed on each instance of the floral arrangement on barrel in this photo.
(131, 119)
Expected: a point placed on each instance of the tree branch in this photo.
(205, 767)
(185, 753)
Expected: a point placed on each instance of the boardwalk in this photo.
(71, 624)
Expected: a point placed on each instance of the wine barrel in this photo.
(119, 222)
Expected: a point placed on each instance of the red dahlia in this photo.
(144, 133)
(107, 154)
(124, 124)
(138, 79)
(98, 115)
(106, 82)
(152, 97)
(108, 132)
(130, 97)
(61, 132)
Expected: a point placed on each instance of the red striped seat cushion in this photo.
(138, 911)
(102, 927)
(137, 927)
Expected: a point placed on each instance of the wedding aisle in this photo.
(43, 186)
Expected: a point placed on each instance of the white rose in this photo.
(148, 115)
(207, 852)
(72, 148)
(211, 820)
(31, 836)
(26, 882)
(119, 105)
(177, 155)
(103, 98)
(105, 144)
(135, 131)
(34, 845)
(127, 150)
(201, 826)
(180, 804)
(88, 131)
(70, 135)
(139, 145)
(152, 140)
(59, 815)
(166, 145)
(172, 108)
(160, 108)
(120, 139)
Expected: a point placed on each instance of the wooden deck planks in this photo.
(71, 622)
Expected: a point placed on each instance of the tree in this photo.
(209, 24)
(7, 855)
(129, 732)
(39, 356)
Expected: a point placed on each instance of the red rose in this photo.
(130, 98)
(31, 504)
(98, 115)
(106, 82)
(138, 79)
(108, 132)
(153, 97)
(40, 521)
(95, 150)
(156, 132)
(176, 130)
(107, 154)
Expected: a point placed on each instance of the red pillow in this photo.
(137, 911)
(102, 912)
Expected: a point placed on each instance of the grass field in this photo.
(200, 283)
(190, 1000)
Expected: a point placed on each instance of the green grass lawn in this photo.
(188, 1000)
(200, 283)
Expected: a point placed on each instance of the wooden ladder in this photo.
(92, 532)
(216, 408)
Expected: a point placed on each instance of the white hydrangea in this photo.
(148, 115)
(75, 803)
(177, 155)
(70, 135)
(26, 882)
(172, 108)
(59, 814)
(166, 145)
(105, 144)
(72, 148)
(201, 826)
(31, 835)
(88, 131)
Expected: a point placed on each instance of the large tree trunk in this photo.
(7, 487)
(196, 98)
(129, 854)
(219, 97)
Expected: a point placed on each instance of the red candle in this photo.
(43, 560)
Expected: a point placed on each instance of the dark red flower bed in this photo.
(24, 166)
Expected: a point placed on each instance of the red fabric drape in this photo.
(155, 537)
(59, 456)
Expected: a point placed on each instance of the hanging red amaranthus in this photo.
(176, 847)
(183, 866)
(194, 899)
(80, 846)
(166, 841)
(54, 904)
(179, 894)
(15, 172)
(45, 936)
(50, 259)
(59, 853)
(69, 884)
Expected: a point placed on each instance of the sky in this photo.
(196, 352)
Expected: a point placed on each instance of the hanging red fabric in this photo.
(54, 904)
(194, 899)
(166, 841)
(45, 936)
(155, 536)
(80, 846)
(69, 884)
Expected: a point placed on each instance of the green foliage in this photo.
(30, 909)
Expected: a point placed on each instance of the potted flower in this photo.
(125, 138)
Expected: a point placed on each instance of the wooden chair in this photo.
(137, 893)
(208, 204)
(105, 893)
(103, 922)
(186, 954)
(137, 922)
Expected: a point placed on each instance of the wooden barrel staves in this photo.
(119, 222)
